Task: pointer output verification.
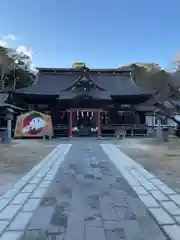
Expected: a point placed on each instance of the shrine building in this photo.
(89, 102)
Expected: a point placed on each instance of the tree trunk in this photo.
(14, 78)
(1, 77)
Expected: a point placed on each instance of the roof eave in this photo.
(11, 106)
(35, 94)
(81, 69)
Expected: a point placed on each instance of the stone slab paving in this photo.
(90, 199)
(17, 206)
(162, 202)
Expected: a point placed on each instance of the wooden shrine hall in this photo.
(87, 102)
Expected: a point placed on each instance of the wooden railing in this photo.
(124, 126)
(124, 130)
(107, 130)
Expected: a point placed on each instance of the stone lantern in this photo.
(9, 117)
(161, 134)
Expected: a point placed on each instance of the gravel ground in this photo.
(17, 158)
(162, 159)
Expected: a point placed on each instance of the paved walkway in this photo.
(77, 193)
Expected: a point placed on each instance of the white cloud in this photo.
(5, 41)
(2, 43)
(22, 49)
(9, 37)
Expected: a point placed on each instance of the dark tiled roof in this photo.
(119, 84)
(49, 84)
(116, 83)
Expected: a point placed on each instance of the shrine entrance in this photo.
(84, 122)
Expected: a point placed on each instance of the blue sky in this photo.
(100, 33)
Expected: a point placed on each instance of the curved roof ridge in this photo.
(139, 87)
(78, 79)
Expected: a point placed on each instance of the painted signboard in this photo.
(33, 124)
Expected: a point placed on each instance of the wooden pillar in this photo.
(70, 123)
(99, 123)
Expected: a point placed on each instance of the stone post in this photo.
(9, 129)
(9, 117)
(159, 134)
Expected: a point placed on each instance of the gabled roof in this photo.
(84, 87)
(82, 81)
(116, 82)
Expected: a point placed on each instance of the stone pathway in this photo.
(90, 199)
(85, 191)
(17, 205)
(161, 201)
